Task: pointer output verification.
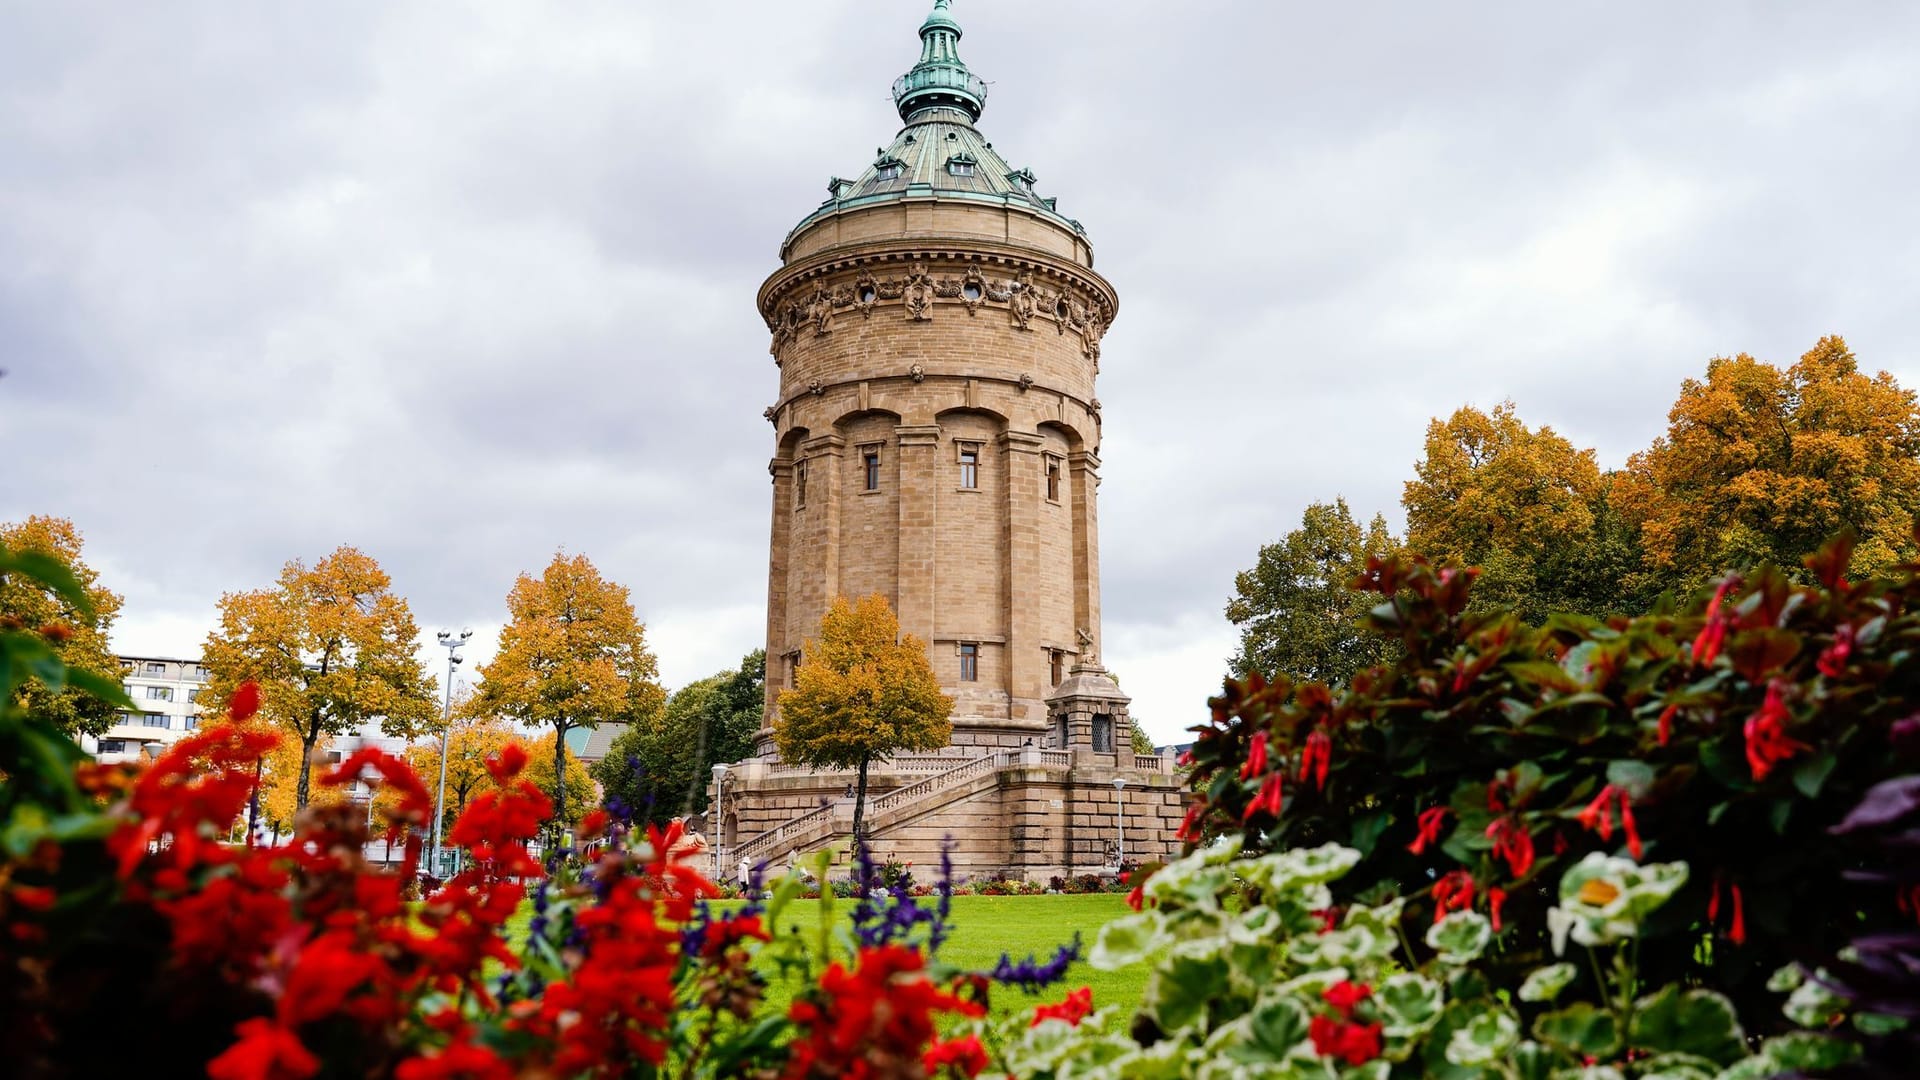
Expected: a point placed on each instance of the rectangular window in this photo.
(200, 672)
(333, 757)
(1103, 734)
(969, 662)
(193, 695)
(1055, 661)
(1060, 732)
(159, 693)
(1053, 479)
(154, 719)
(969, 466)
(113, 746)
(872, 459)
(800, 484)
(190, 723)
(155, 667)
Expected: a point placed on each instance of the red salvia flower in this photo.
(1189, 831)
(1512, 842)
(1767, 741)
(1666, 723)
(1267, 800)
(1315, 758)
(1714, 634)
(1496, 899)
(1453, 892)
(1256, 762)
(246, 702)
(1737, 933)
(1598, 816)
(1430, 820)
(505, 764)
(266, 1051)
(1633, 829)
(1833, 662)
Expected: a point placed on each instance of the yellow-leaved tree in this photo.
(572, 654)
(470, 741)
(1762, 464)
(332, 648)
(280, 783)
(541, 759)
(79, 637)
(863, 691)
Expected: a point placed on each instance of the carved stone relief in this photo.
(918, 292)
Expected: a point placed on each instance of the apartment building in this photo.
(165, 693)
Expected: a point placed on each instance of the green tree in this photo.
(1296, 610)
(864, 692)
(657, 767)
(572, 654)
(1761, 464)
(332, 648)
(78, 634)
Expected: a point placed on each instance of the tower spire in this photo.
(941, 78)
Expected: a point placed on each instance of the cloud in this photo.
(464, 287)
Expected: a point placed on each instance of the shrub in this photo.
(1471, 773)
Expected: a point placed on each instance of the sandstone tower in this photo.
(937, 326)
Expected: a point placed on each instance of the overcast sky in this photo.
(462, 283)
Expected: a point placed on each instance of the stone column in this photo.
(782, 471)
(919, 465)
(1084, 465)
(824, 476)
(1025, 666)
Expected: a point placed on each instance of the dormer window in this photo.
(961, 165)
(889, 167)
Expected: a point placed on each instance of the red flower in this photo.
(246, 702)
(506, 763)
(1315, 757)
(1598, 816)
(1767, 741)
(1666, 723)
(964, 1055)
(1633, 829)
(1268, 799)
(1833, 661)
(459, 1061)
(1138, 896)
(266, 1051)
(1346, 996)
(1430, 820)
(1256, 762)
(1714, 634)
(1496, 899)
(1513, 842)
(882, 1009)
(1737, 933)
(1453, 892)
(1074, 1009)
(1355, 1044)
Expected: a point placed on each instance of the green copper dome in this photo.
(939, 153)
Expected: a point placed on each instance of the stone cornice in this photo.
(775, 413)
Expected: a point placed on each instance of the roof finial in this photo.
(940, 79)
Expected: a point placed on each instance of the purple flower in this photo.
(1032, 976)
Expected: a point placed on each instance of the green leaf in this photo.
(107, 690)
(1579, 1029)
(1461, 937)
(1545, 984)
(1698, 1022)
(1808, 1052)
(1483, 1040)
(1544, 674)
(1128, 940)
(48, 571)
(1411, 1003)
(1810, 774)
(1635, 777)
(1182, 987)
(1367, 829)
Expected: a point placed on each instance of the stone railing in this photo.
(899, 763)
(772, 841)
(932, 785)
(1055, 759)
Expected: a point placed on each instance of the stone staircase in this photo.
(895, 808)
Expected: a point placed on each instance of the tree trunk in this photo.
(559, 780)
(301, 789)
(860, 803)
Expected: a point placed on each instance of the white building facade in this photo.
(165, 693)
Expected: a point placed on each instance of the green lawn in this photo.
(983, 928)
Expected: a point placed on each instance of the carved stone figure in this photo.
(918, 293)
(817, 387)
(1022, 304)
(820, 310)
(1026, 381)
(917, 373)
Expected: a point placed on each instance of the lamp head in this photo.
(465, 634)
(444, 635)
(719, 772)
(1119, 782)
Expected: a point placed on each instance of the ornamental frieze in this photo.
(918, 291)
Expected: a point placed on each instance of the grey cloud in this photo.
(462, 285)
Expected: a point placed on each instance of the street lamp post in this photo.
(719, 821)
(1120, 820)
(453, 645)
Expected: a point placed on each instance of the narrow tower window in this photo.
(800, 484)
(969, 466)
(1053, 484)
(872, 458)
(969, 662)
(1055, 660)
(1103, 734)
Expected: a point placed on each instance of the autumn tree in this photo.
(864, 691)
(572, 654)
(78, 635)
(1528, 508)
(658, 770)
(542, 761)
(1761, 464)
(332, 648)
(470, 741)
(1296, 610)
(279, 791)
